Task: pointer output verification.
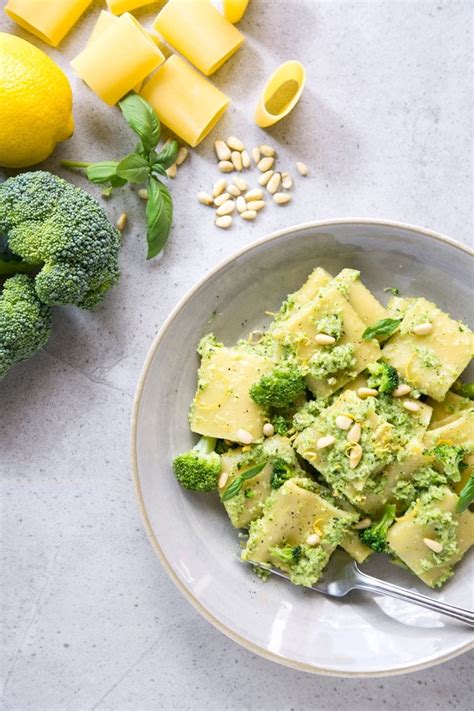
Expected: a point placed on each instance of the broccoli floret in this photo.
(281, 472)
(199, 468)
(331, 360)
(63, 233)
(208, 344)
(281, 425)
(25, 323)
(280, 388)
(288, 555)
(451, 457)
(307, 414)
(376, 536)
(383, 376)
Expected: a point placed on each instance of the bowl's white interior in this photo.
(359, 634)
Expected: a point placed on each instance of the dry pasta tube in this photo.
(184, 100)
(281, 93)
(120, 6)
(50, 20)
(234, 10)
(118, 59)
(199, 32)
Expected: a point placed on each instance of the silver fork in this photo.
(343, 575)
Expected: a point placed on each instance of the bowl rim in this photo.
(242, 641)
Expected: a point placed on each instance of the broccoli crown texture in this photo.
(199, 468)
(376, 535)
(25, 323)
(450, 457)
(383, 376)
(280, 388)
(289, 555)
(281, 472)
(64, 234)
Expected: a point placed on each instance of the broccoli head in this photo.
(280, 388)
(376, 535)
(450, 457)
(281, 472)
(199, 468)
(25, 323)
(383, 376)
(63, 233)
(288, 555)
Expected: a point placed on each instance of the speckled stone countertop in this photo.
(91, 620)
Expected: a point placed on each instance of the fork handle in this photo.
(371, 584)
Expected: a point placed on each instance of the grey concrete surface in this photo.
(90, 620)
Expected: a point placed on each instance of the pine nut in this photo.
(274, 183)
(267, 151)
(244, 436)
(227, 208)
(332, 381)
(286, 180)
(233, 190)
(182, 155)
(256, 155)
(171, 171)
(225, 166)
(205, 199)
(222, 150)
(222, 480)
(223, 222)
(322, 339)
(256, 205)
(219, 187)
(241, 204)
(422, 329)
(236, 159)
(355, 456)
(411, 406)
(265, 164)
(263, 179)
(282, 198)
(401, 390)
(354, 434)
(248, 215)
(240, 182)
(143, 193)
(302, 168)
(255, 194)
(325, 441)
(235, 144)
(245, 159)
(365, 523)
(313, 539)
(221, 199)
(122, 221)
(364, 393)
(344, 422)
(268, 429)
(434, 546)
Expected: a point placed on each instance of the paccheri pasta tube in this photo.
(50, 20)
(117, 59)
(120, 6)
(184, 100)
(199, 32)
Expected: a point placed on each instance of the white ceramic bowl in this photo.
(360, 634)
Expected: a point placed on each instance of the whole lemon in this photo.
(35, 103)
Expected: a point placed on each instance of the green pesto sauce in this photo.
(331, 325)
(330, 360)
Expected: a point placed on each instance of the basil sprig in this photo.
(234, 488)
(466, 497)
(391, 290)
(382, 329)
(145, 165)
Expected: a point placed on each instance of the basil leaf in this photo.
(167, 156)
(102, 172)
(159, 170)
(383, 328)
(392, 290)
(133, 168)
(234, 488)
(253, 471)
(142, 119)
(466, 496)
(159, 215)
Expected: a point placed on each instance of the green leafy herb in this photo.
(144, 165)
(466, 497)
(234, 488)
(382, 329)
(391, 290)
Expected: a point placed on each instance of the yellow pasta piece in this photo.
(234, 10)
(199, 32)
(184, 100)
(50, 20)
(119, 57)
(104, 22)
(280, 94)
(118, 7)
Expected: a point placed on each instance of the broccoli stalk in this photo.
(383, 376)
(280, 388)
(376, 536)
(450, 457)
(199, 468)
